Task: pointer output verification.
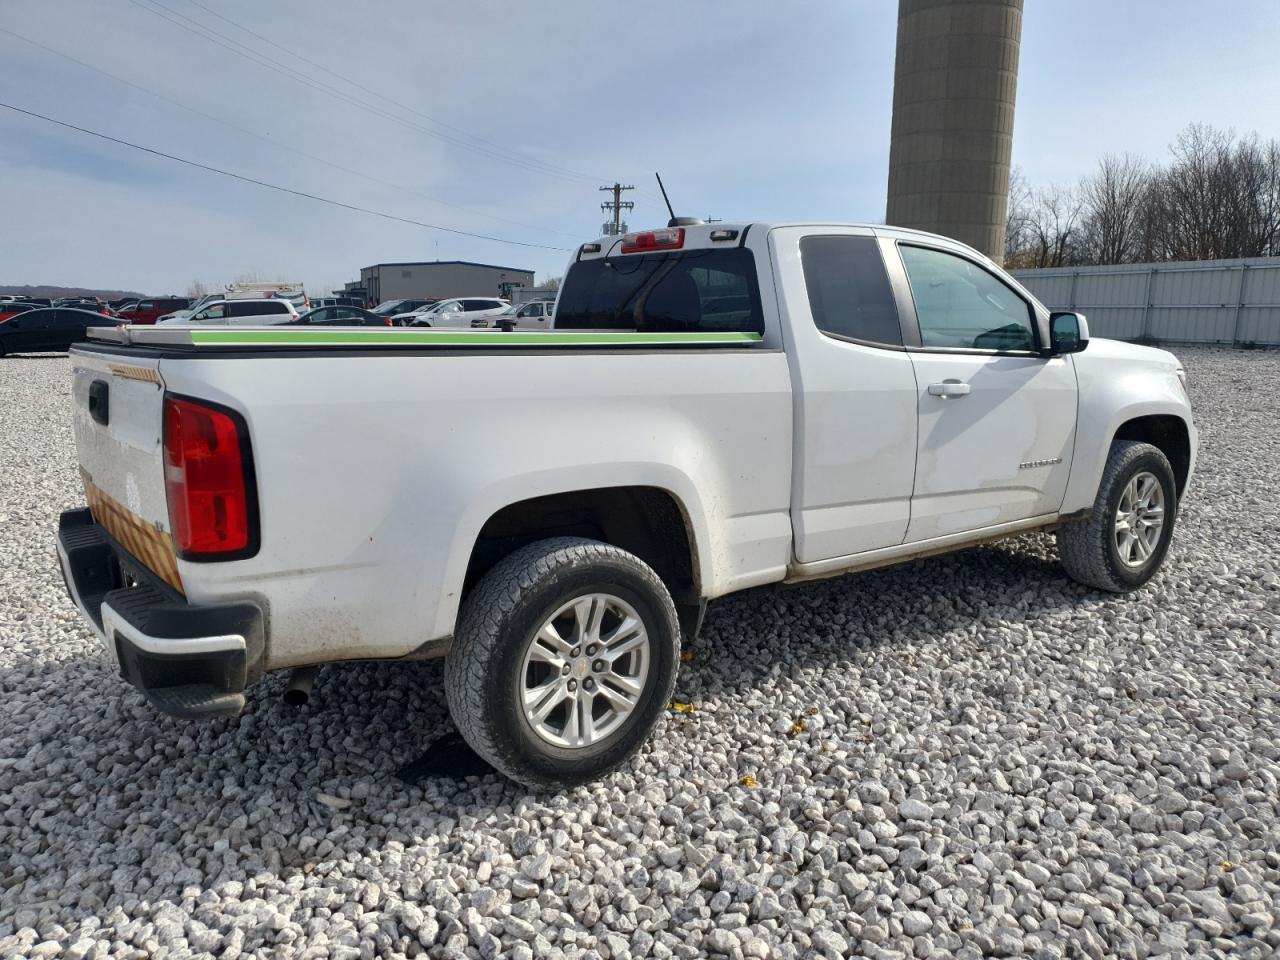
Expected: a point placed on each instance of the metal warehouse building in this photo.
(441, 278)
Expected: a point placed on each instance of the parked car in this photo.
(534, 315)
(37, 301)
(295, 293)
(94, 306)
(338, 302)
(123, 303)
(187, 311)
(150, 310)
(239, 312)
(718, 407)
(395, 308)
(11, 308)
(341, 317)
(467, 313)
(46, 329)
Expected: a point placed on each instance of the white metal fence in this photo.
(1199, 301)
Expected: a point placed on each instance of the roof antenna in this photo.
(674, 221)
(665, 199)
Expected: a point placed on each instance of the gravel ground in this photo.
(963, 756)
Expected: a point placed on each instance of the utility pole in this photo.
(615, 207)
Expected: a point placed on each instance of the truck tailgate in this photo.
(118, 404)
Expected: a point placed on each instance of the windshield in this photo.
(388, 308)
(690, 290)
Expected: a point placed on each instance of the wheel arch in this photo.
(1164, 424)
(1168, 433)
(654, 522)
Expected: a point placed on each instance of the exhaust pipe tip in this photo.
(298, 691)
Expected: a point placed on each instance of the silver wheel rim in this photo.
(584, 671)
(1140, 519)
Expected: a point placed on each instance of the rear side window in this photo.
(255, 308)
(849, 292)
(686, 291)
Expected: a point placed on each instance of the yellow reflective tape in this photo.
(135, 373)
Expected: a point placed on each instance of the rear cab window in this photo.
(669, 292)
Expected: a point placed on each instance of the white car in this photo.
(295, 293)
(249, 313)
(534, 315)
(719, 407)
(465, 312)
(199, 305)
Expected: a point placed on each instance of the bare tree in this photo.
(1053, 227)
(1218, 198)
(197, 289)
(1221, 196)
(1017, 241)
(1112, 200)
(551, 283)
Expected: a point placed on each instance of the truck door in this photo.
(997, 420)
(855, 392)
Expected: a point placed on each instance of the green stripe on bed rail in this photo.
(452, 338)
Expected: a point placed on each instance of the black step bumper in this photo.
(189, 661)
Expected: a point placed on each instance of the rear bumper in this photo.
(188, 661)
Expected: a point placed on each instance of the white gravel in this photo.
(964, 756)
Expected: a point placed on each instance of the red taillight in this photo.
(671, 238)
(206, 471)
(387, 322)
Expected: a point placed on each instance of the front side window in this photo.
(959, 304)
(849, 292)
(681, 291)
(213, 312)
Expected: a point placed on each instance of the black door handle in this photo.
(99, 407)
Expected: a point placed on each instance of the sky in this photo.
(503, 119)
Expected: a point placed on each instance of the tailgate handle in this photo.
(99, 407)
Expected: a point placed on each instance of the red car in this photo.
(11, 308)
(149, 310)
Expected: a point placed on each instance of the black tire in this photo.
(483, 671)
(1088, 547)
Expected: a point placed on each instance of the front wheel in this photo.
(564, 657)
(1123, 541)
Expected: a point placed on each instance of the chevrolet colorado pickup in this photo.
(718, 407)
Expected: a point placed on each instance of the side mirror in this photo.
(1068, 333)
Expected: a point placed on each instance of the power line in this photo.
(277, 187)
(248, 53)
(330, 71)
(274, 142)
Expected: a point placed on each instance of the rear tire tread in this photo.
(482, 631)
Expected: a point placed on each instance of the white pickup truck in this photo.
(719, 407)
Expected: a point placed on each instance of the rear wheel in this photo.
(1125, 538)
(564, 657)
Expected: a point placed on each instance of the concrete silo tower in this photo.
(954, 85)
